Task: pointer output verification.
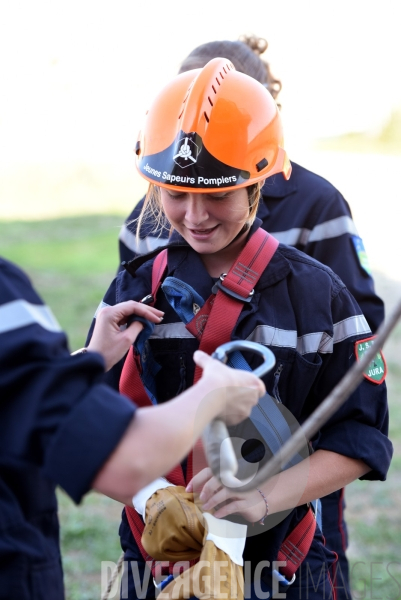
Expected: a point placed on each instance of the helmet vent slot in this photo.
(185, 99)
(206, 117)
(261, 164)
(214, 89)
(217, 81)
(221, 75)
(210, 102)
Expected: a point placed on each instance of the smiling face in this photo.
(208, 222)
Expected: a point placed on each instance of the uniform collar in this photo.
(278, 187)
(185, 262)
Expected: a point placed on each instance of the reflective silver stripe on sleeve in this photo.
(319, 341)
(271, 336)
(352, 326)
(127, 237)
(170, 330)
(142, 246)
(323, 231)
(315, 342)
(310, 343)
(101, 305)
(332, 229)
(20, 313)
(292, 237)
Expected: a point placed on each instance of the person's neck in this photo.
(221, 261)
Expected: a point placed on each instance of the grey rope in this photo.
(328, 407)
(113, 577)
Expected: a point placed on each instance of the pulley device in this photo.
(237, 453)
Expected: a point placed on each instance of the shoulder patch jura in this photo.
(361, 254)
(376, 370)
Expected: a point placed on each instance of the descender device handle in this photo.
(218, 447)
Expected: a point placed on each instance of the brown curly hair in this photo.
(245, 54)
(259, 46)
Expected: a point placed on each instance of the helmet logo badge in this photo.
(187, 154)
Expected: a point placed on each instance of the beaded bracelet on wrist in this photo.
(262, 520)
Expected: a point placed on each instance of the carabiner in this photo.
(218, 447)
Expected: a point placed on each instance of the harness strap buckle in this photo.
(160, 585)
(147, 299)
(219, 286)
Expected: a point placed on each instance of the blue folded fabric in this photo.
(182, 297)
(150, 367)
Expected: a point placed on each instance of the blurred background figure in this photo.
(61, 425)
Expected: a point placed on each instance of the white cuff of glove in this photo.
(229, 537)
(140, 499)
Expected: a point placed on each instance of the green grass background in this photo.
(71, 262)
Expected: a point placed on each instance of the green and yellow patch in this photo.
(376, 370)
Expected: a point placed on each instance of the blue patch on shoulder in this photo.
(361, 253)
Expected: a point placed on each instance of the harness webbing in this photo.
(296, 545)
(131, 384)
(216, 320)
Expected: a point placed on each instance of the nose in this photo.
(196, 212)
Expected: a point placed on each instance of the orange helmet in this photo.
(212, 129)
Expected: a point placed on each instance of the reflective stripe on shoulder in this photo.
(333, 228)
(310, 343)
(143, 246)
(292, 237)
(323, 231)
(101, 305)
(20, 313)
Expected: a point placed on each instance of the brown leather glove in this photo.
(175, 530)
(174, 526)
(214, 576)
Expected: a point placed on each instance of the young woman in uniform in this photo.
(209, 141)
(306, 212)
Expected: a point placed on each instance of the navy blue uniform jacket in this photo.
(309, 213)
(304, 313)
(58, 424)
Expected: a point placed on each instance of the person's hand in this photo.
(234, 391)
(220, 501)
(111, 341)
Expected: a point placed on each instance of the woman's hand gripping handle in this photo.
(218, 447)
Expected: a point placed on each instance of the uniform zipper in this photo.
(277, 375)
(183, 371)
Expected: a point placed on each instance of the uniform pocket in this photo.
(178, 367)
(292, 379)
